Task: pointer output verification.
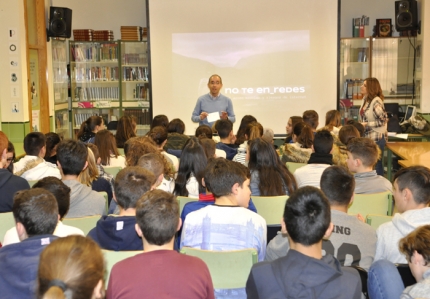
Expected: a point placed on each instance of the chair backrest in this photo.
(31, 183)
(292, 166)
(363, 278)
(121, 151)
(374, 203)
(113, 257)
(183, 200)
(376, 220)
(6, 222)
(406, 274)
(228, 269)
(84, 223)
(113, 170)
(271, 208)
(105, 195)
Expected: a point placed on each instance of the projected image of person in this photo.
(214, 101)
(373, 116)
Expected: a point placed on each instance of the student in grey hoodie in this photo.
(72, 159)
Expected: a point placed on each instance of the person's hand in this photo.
(360, 217)
(224, 115)
(203, 115)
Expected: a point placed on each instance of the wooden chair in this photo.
(376, 220)
(374, 203)
(292, 166)
(184, 200)
(113, 257)
(228, 269)
(113, 170)
(84, 223)
(7, 221)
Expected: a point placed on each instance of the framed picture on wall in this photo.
(383, 28)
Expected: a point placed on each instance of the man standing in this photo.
(213, 102)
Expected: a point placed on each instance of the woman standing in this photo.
(373, 116)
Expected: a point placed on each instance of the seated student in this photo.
(253, 131)
(224, 128)
(32, 166)
(155, 164)
(292, 121)
(108, 151)
(175, 135)
(62, 194)
(357, 125)
(204, 131)
(359, 237)
(159, 272)
(160, 120)
(300, 149)
(411, 190)
(117, 233)
(36, 216)
(384, 279)
(332, 121)
(363, 153)
(159, 136)
(321, 158)
(240, 134)
(71, 267)
(52, 141)
(340, 152)
(125, 130)
(89, 128)
(102, 173)
(311, 118)
(304, 272)
(9, 183)
(72, 159)
(226, 225)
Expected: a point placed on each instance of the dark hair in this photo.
(223, 127)
(192, 162)
(204, 131)
(305, 136)
(307, 215)
(152, 162)
(365, 149)
(176, 126)
(37, 210)
(274, 176)
(72, 155)
(417, 240)
(158, 134)
(323, 142)
(130, 184)
(60, 191)
(346, 133)
(357, 125)
(52, 139)
(373, 89)
(33, 143)
(240, 135)
(125, 130)
(105, 142)
(332, 119)
(338, 185)
(160, 120)
(221, 175)
(157, 214)
(253, 130)
(89, 126)
(209, 147)
(416, 179)
(11, 149)
(311, 118)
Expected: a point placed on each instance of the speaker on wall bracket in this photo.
(60, 22)
(406, 15)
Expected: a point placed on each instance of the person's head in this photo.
(159, 135)
(292, 121)
(130, 184)
(323, 142)
(246, 120)
(268, 135)
(204, 131)
(348, 132)
(332, 119)
(160, 120)
(307, 216)
(91, 172)
(338, 185)
(125, 129)
(106, 143)
(357, 125)
(71, 157)
(214, 84)
(362, 151)
(415, 246)
(209, 147)
(71, 267)
(154, 163)
(310, 117)
(303, 134)
(93, 124)
(157, 217)
(95, 151)
(10, 156)
(253, 130)
(176, 126)
(52, 141)
(136, 147)
(60, 191)
(371, 89)
(224, 128)
(411, 188)
(227, 178)
(35, 144)
(35, 212)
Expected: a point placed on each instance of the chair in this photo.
(7, 221)
(121, 151)
(84, 223)
(31, 183)
(406, 274)
(105, 195)
(183, 200)
(292, 166)
(376, 220)
(363, 278)
(113, 257)
(374, 203)
(113, 170)
(228, 269)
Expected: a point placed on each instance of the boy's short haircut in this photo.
(307, 215)
(37, 210)
(221, 174)
(152, 162)
(357, 125)
(311, 118)
(224, 127)
(176, 125)
(346, 133)
(158, 134)
(416, 179)
(33, 143)
(60, 191)
(157, 214)
(323, 142)
(365, 149)
(94, 149)
(417, 240)
(268, 135)
(130, 184)
(72, 155)
(204, 131)
(338, 185)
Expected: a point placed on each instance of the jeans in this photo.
(384, 281)
(379, 167)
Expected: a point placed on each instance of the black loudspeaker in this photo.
(60, 22)
(406, 15)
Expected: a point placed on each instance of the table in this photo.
(410, 153)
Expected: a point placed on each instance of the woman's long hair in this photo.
(305, 136)
(332, 119)
(91, 173)
(240, 135)
(88, 126)
(105, 142)
(125, 130)
(373, 89)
